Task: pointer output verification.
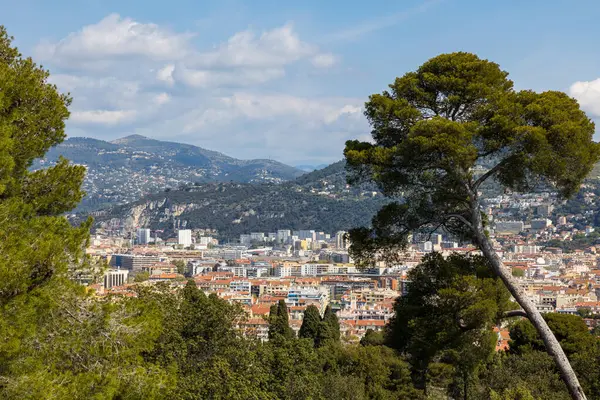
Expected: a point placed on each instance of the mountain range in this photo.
(126, 169)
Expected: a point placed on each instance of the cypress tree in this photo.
(279, 321)
(283, 320)
(310, 323)
(272, 321)
(329, 328)
(331, 320)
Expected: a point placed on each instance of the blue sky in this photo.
(284, 80)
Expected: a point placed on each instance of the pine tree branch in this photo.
(461, 218)
(485, 176)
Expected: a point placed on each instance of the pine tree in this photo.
(38, 245)
(273, 313)
(431, 131)
(329, 328)
(56, 341)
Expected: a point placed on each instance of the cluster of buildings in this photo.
(308, 267)
(534, 216)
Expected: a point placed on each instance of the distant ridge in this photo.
(129, 139)
(127, 168)
(318, 200)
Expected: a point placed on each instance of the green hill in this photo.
(319, 200)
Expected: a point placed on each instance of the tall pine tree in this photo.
(55, 341)
(38, 245)
(331, 320)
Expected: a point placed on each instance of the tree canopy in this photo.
(310, 323)
(433, 128)
(40, 249)
(447, 315)
(279, 325)
(436, 124)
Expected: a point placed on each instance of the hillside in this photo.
(319, 200)
(126, 169)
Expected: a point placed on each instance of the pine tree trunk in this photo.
(552, 346)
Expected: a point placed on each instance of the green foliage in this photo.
(310, 323)
(535, 371)
(447, 315)
(517, 272)
(329, 328)
(435, 124)
(519, 393)
(199, 345)
(279, 326)
(51, 332)
(570, 330)
(181, 266)
(372, 372)
(141, 276)
(372, 338)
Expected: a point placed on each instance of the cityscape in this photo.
(235, 200)
(307, 267)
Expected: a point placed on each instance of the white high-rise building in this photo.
(115, 277)
(257, 236)
(184, 237)
(205, 240)
(143, 236)
(245, 239)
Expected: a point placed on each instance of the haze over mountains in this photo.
(126, 169)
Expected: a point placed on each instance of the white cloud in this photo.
(165, 74)
(587, 94)
(277, 47)
(323, 60)
(115, 36)
(348, 109)
(234, 77)
(247, 59)
(130, 77)
(162, 98)
(255, 106)
(289, 128)
(102, 117)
